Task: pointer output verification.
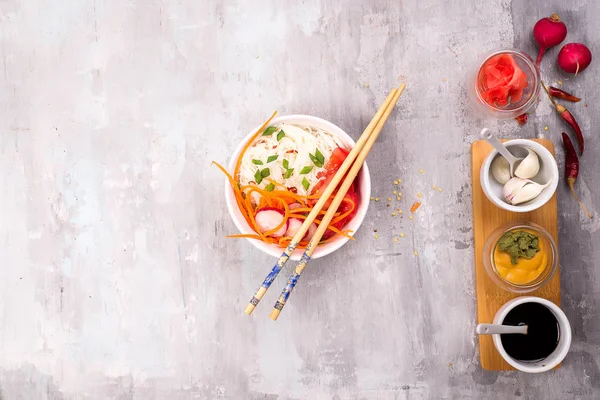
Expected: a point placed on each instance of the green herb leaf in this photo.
(269, 187)
(265, 172)
(286, 164)
(258, 177)
(257, 162)
(320, 156)
(288, 173)
(306, 170)
(269, 131)
(315, 160)
(272, 158)
(305, 184)
(280, 135)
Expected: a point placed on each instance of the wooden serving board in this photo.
(486, 218)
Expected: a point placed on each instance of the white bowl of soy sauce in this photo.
(548, 337)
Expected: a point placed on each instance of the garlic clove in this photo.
(500, 170)
(512, 187)
(528, 192)
(529, 167)
(518, 190)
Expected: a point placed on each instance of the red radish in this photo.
(294, 225)
(293, 206)
(268, 219)
(574, 57)
(311, 231)
(549, 32)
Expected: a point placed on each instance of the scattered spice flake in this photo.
(395, 192)
(388, 204)
(400, 194)
(400, 180)
(421, 171)
(415, 206)
(398, 198)
(396, 239)
(419, 194)
(545, 128)
(389, 199)
(560, 82)
(416, 253)
(433, 186)
(402, 235)
(522, 119)
(376, 236)
(376, 198)
(440, 189)
(450, 364)
(585, 105)
(372, 198)
(399, 211)
(375, 230)
(393, 214)
(395, 182)
(411, 217)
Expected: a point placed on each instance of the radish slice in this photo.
(311, 231)
(294, 225)
(269, 218)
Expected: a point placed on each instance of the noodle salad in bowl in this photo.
(277, 175)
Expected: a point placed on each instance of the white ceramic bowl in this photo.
(564, 342)
(548, 170)
(363, 179)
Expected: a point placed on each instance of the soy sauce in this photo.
(542, 333)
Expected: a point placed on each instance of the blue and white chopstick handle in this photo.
(291, 284)
(270, 277)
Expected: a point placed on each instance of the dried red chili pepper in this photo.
(569, 118)
(561, 94)
(572, 168)
(522, 119)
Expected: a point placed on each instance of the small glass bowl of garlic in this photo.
(531, 185)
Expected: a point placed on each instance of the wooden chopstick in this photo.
(320, 203)
(337, 200)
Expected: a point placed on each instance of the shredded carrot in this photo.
(260, 130)
(236, 191)
(245, 235)
(297, 212)
(335, 230)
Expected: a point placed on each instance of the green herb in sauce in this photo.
(519, 244)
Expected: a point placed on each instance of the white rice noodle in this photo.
(295, 147)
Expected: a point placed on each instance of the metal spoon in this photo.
(491, 329)
(493, 140)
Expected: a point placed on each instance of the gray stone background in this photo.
(116, 279)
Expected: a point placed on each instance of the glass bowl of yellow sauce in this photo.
(520, 256)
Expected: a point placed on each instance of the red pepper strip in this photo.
(572, 168)
(568, 117)
(561, 94)
(522, 119)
